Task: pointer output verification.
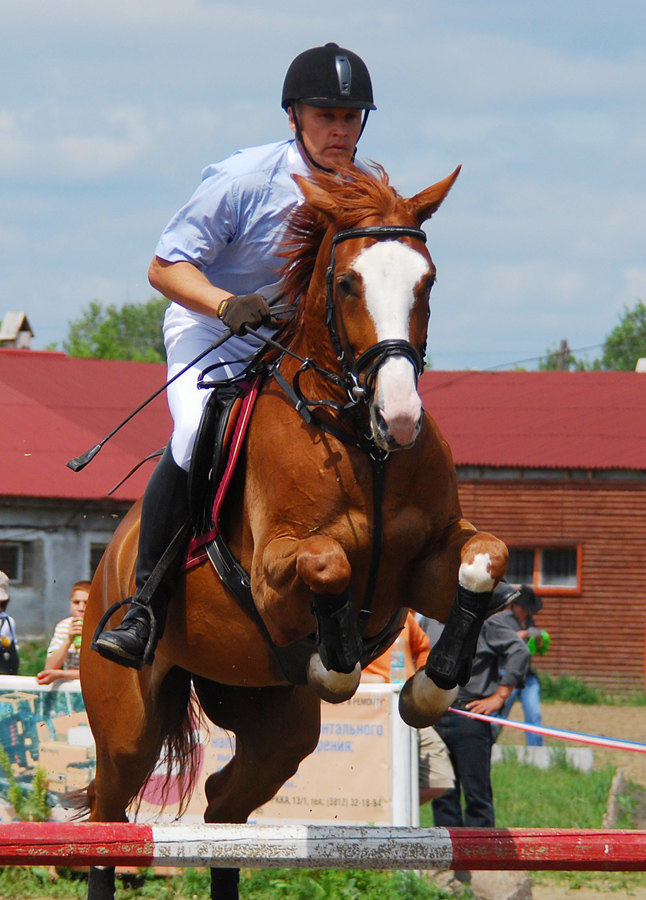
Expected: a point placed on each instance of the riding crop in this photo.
(79, 462)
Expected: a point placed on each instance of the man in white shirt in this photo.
(212, 261)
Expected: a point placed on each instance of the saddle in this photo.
(218, 448)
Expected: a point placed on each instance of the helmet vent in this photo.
(344, 74)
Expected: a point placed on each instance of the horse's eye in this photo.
(345, 285)
(427, 284)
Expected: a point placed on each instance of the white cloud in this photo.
(115, 108)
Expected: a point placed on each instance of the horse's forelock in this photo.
(357, 195)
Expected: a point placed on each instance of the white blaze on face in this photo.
(390, 270)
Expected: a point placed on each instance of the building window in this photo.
(11, 559)
(21, 560)
(547, 569)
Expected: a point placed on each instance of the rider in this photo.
(217, 261)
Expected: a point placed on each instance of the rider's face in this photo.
(330, 135)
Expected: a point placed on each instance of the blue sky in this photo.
(109, 112)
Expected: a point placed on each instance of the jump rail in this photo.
(320, 847)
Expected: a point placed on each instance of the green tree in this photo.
(560, 359)
(132, 331)
(626, 343)
(621, 349)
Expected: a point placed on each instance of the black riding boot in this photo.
(450, 659)
(164, 512)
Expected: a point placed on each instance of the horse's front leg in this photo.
(426, 696)
(320, 564)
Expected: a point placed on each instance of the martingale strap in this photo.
(378, 460)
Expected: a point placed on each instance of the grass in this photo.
(257, 884)
(560, 797)
(568, 689)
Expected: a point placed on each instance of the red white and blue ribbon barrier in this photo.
(598, 740)
(320, 846)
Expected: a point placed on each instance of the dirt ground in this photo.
(625, 723)
(618, 722)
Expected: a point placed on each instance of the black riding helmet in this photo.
(328, 76)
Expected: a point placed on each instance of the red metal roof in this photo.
(571, 420)
(53, 408)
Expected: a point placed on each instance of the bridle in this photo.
(359, 373)
(368, 362)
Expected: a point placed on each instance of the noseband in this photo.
(369, 362)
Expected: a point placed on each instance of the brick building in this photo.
(55, 523)
(554, 463)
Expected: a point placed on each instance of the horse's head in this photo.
(376, 274)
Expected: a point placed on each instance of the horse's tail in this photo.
(179, 758)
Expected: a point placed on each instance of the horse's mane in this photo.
(357, 194)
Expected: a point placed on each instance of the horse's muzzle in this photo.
(397, 435)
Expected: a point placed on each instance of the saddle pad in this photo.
(236, 432)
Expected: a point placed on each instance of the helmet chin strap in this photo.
(310, 158)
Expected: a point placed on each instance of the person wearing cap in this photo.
(9, 660)
(520, 616)
(218, 262)
(64, 651)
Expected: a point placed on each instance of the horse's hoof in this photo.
(335, 687)
(422, 702)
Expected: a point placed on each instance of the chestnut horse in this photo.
(322, 511)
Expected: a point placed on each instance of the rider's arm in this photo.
(185, 284)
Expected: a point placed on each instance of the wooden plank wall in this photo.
(598, 636)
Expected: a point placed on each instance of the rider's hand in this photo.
(250, 309)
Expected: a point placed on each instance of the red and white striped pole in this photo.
(320, 847)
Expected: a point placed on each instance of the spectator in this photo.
(470, 740)
(9, 660)
(63, 653)
(435, 770)
(521, 618)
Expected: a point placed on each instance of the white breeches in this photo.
(186, 335)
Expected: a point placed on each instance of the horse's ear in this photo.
(317, 197)
(427, 202)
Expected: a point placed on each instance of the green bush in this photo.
(32, 657)
(30, 806)
(569, 690)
